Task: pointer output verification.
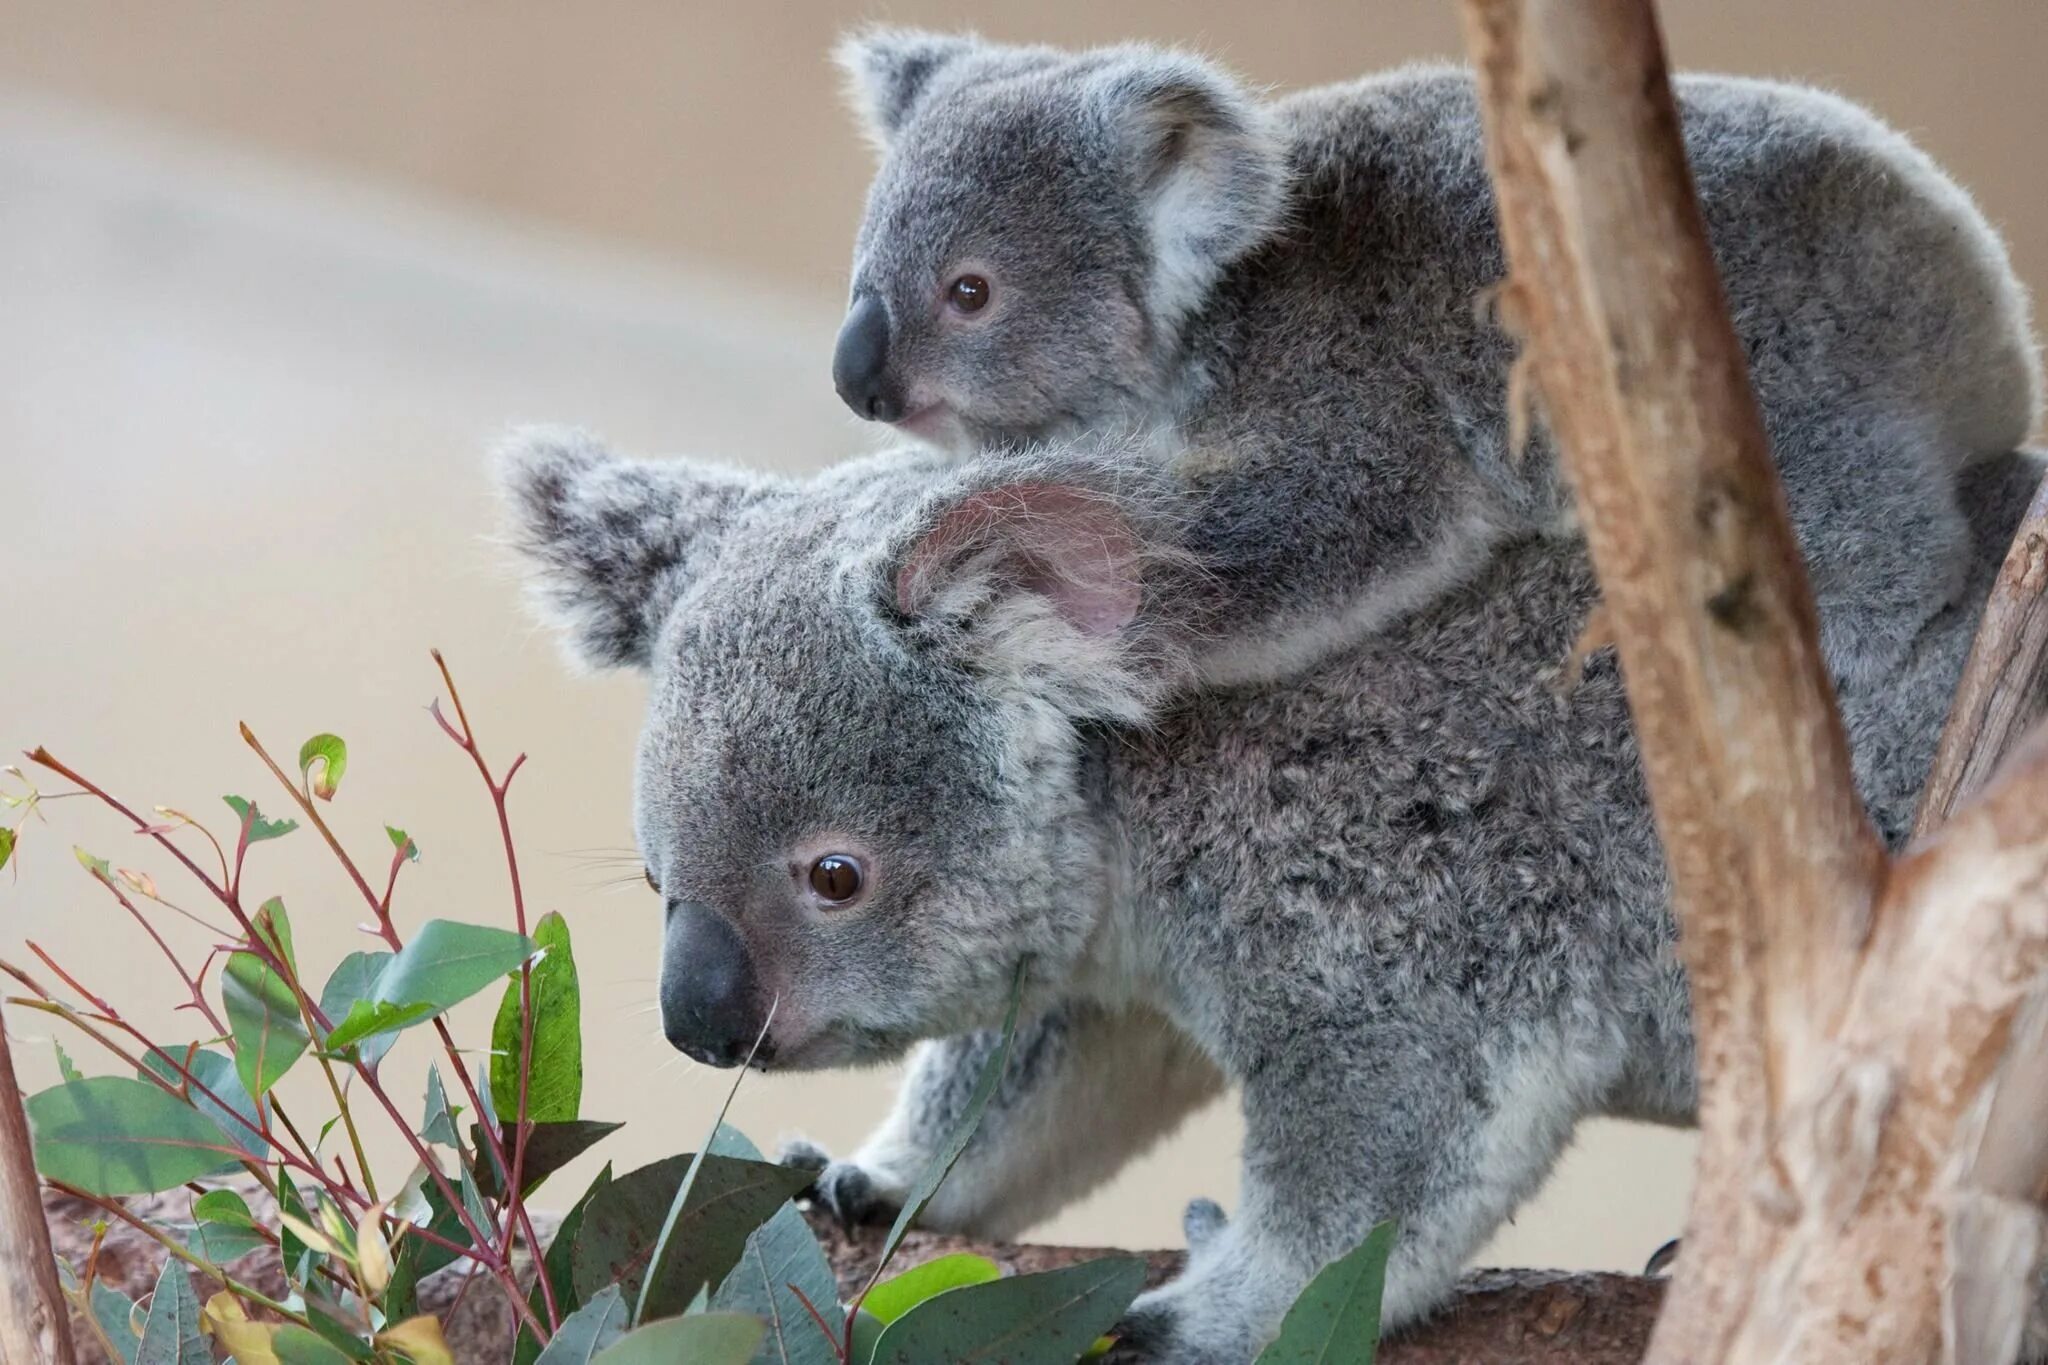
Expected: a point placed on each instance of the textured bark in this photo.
(2002, 692)
(1862, 1188)
(32, 1309)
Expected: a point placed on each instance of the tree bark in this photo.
(34, 1325)
(1861, 1187)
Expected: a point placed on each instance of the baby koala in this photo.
(1127, 240)
(906, 732)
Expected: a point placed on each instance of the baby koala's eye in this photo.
(968, 294)
(837, 878)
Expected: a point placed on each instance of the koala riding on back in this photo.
(1127, 240)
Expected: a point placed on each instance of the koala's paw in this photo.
(1202, 1222)
(850, 1194)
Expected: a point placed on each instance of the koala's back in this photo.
(1422, 841)
(1850, 260)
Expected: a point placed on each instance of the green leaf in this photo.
(728, 1200)
(1336, 1321)
(473, 1204)
(216, 1243)
(402, 841)
(6, 845)
(588, 1330)
(296, 1345)
(171, 1335)
(300, 1260)
(65, 1068)
(554, 1082)
(259, 828)
(439, 1124)
(665, 1250)
(112, 1135)
(970, 1118)
(332, 755)
(446, 963)
(224, 1207)
(115, 1314)
(218, 1075)
(99, 867)
(337, 1326)
(1044, 1319)
(892, 1298)
(377, 1021)
(556, 1265)
(702, 1339)
(263, 1010)
(355, 980)
(780, 1258)
(549, 1147)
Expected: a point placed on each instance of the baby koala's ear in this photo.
(610, 542)
(888, 71)
(1203, 153)
(1043, 584)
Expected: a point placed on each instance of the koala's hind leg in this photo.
(1444, 1144)
(1086, 1089)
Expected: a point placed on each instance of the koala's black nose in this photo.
(709, 1005)
(860, 362)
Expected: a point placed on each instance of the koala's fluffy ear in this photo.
(610, 541)
(888, 71)
(1043, 584)
(1204, 154)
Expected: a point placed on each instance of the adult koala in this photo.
(1063, 243)
(909, 727)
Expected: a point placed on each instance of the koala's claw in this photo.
(1203, 1219)
(1143, 1335)
(803, 1155)
(840, 1188)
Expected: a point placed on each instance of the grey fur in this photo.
(1412, 901)
(1295, 314)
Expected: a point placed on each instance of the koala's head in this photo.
(862, 786)
(1041, 226)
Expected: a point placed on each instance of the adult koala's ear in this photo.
(611, 542)
(1203, 154)
(888, 70)
(1042, 586)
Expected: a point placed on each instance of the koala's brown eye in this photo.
(968, 294)
(836, 878)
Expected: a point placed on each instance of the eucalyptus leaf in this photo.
(1044, 1319)
(403, 842)
(701, 1339)
(259, 828)
(439, 1124)
(224, 1207)
(6, 845)
(728, 1200)
(111, 1135)
(554, 1080)
(222, 1081)
(296, 1345)
(445, 963)
(114, 1313)
(781, 1259)
(171, 1335)
(549, 1147)
(216, 1243)
(894, 1297)
(1336, 1320)
(354, 981)
(375, 1021)
(332, 755)
(66, 1068)
(588, 1330)
(263, 1010)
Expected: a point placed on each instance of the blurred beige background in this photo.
(271, 275)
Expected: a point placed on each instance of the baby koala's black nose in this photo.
(860, 362)
(710, 1007)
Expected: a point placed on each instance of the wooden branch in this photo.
(2004, 689)
(1858, 1196)
(34, 1324)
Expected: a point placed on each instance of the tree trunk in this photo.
(1862, 1187)
(34, 1326)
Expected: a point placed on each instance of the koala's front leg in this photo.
(1443, 1140)
(1085, 1090)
